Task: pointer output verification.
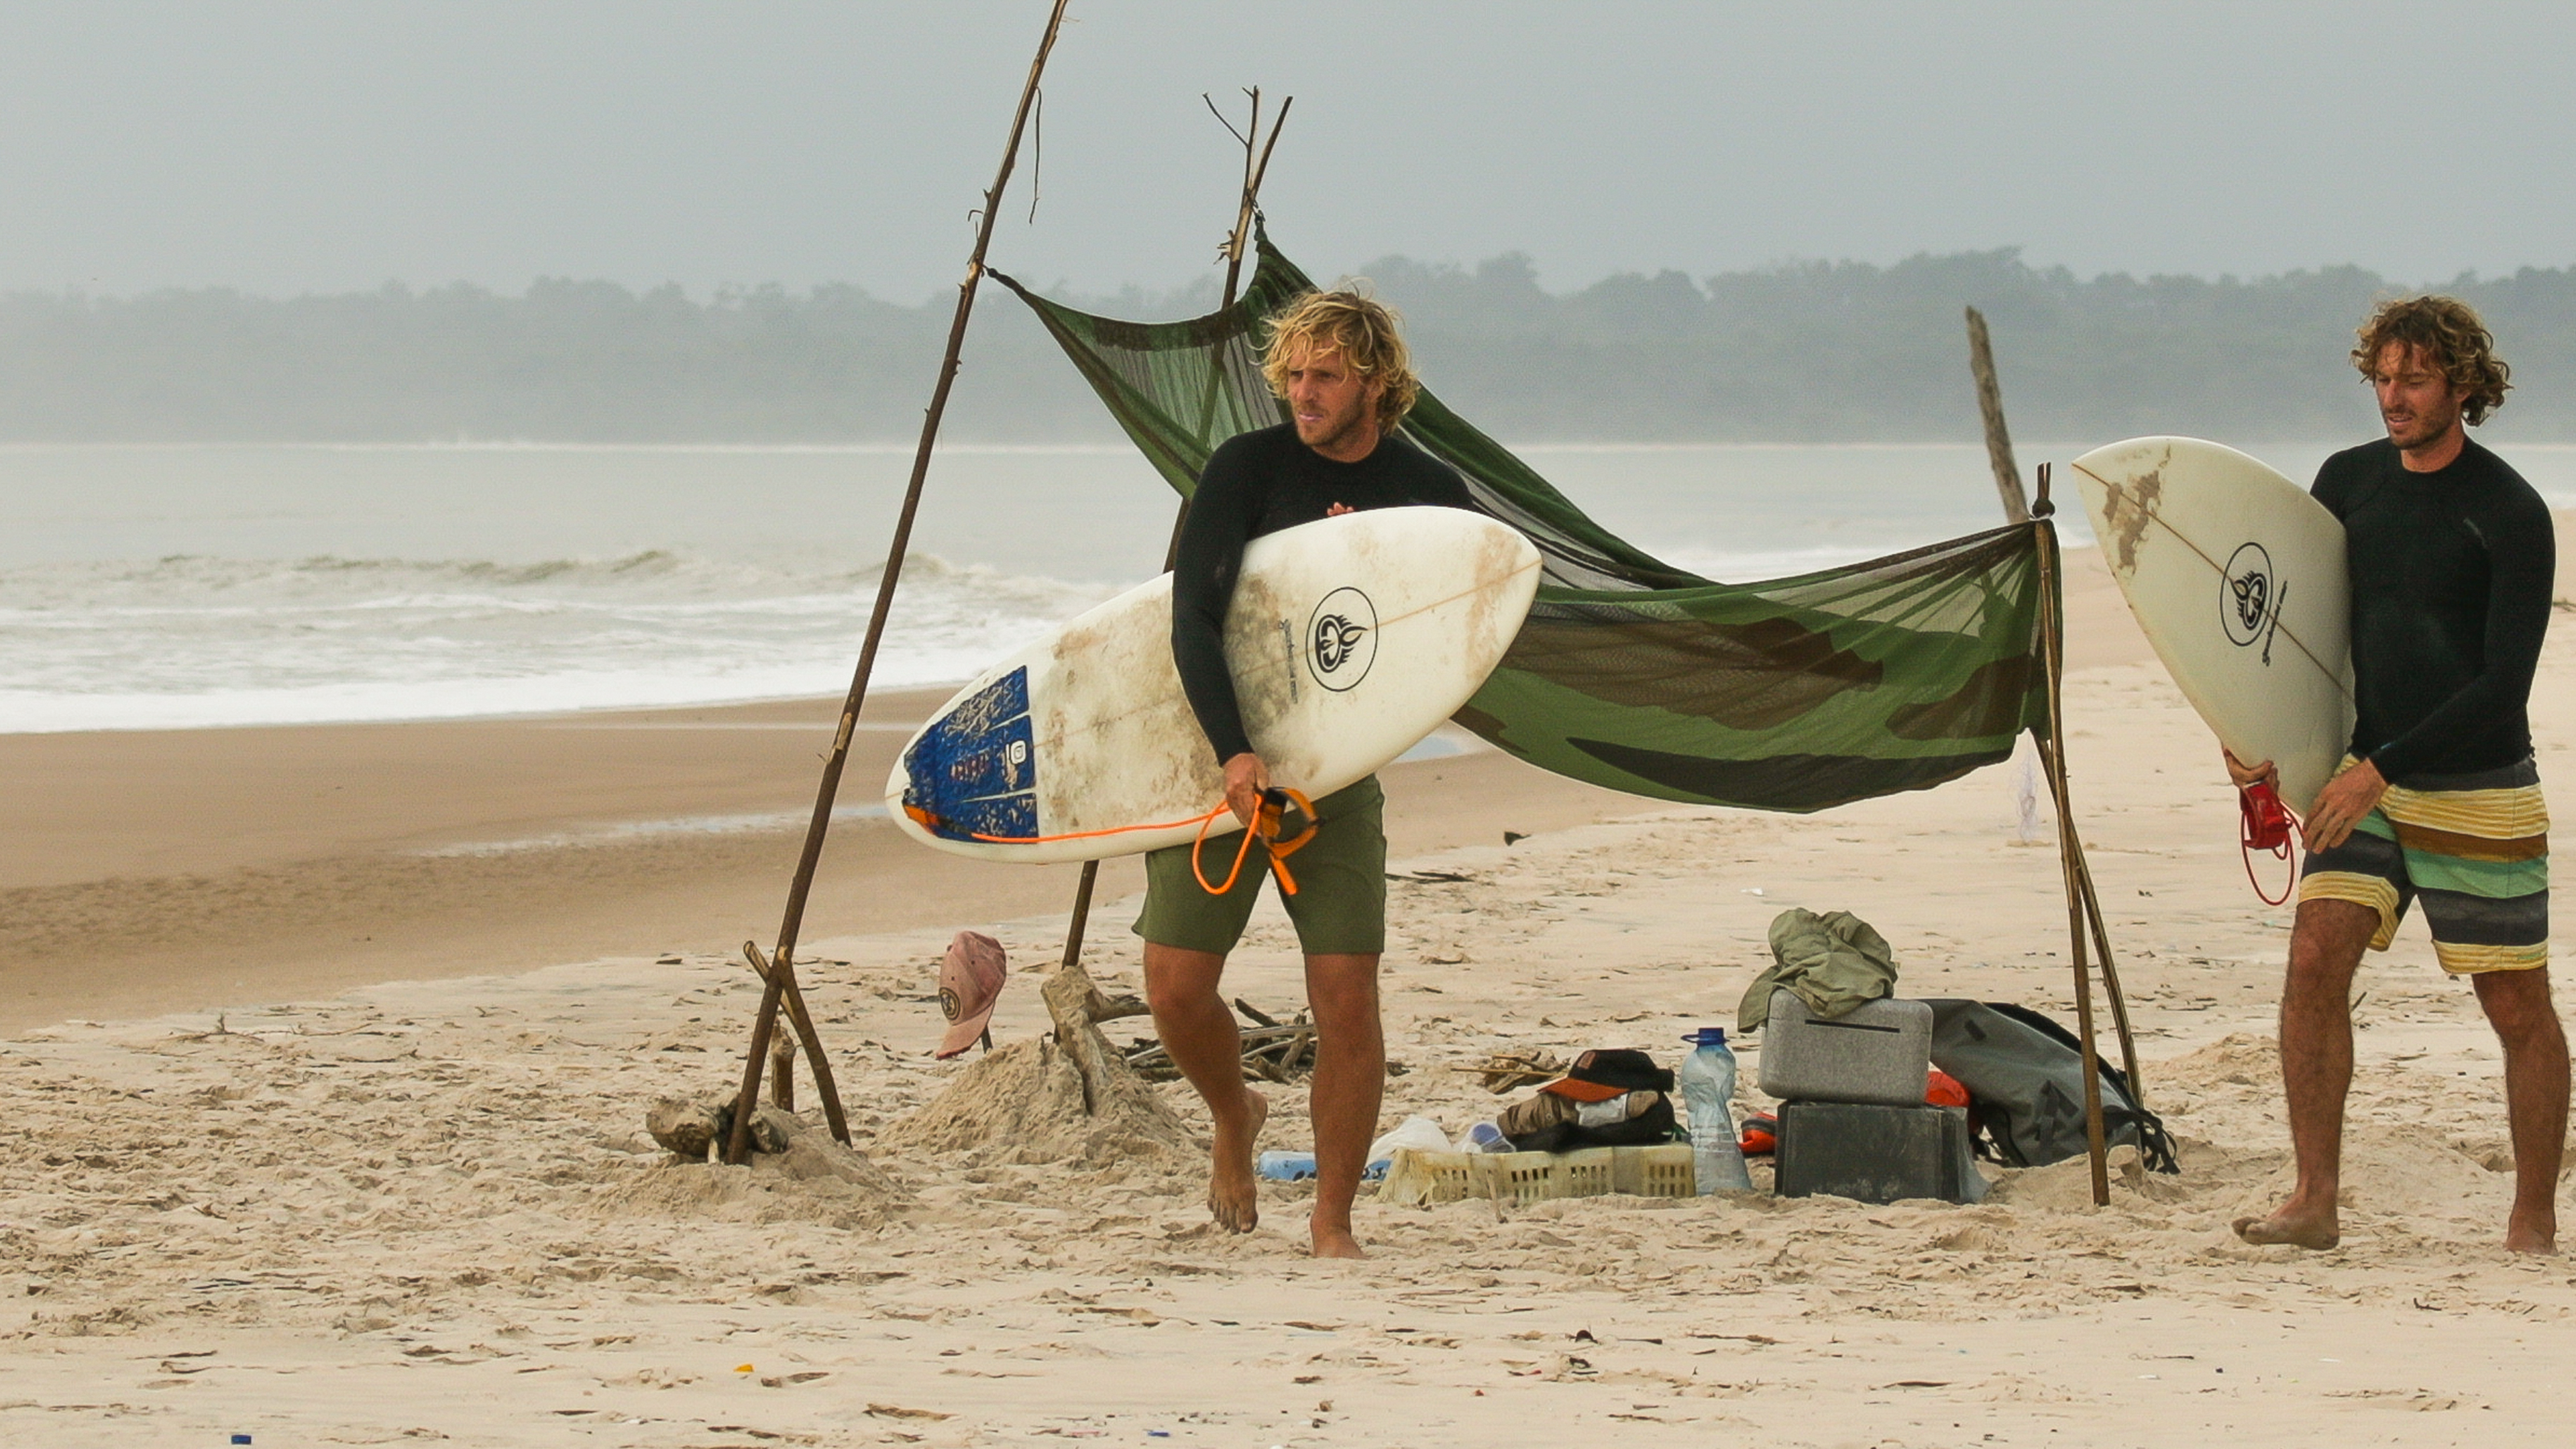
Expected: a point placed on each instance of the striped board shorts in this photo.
(2474, 848)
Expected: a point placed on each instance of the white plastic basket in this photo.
(1664, 1170)
(1516, 1178)
(1415, 1177)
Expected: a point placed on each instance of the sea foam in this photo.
(190, 641)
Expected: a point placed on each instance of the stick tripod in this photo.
(779, 977)
(2084, 925)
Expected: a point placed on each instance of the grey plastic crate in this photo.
(1880, 1053)
(1875, 1153)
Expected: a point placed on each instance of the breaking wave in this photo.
(194, 640)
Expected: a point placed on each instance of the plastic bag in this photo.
(1419, 1133)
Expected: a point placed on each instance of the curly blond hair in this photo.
(2453, 340)
(1368, 333)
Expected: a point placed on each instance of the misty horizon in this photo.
(1807, 352)
(1199, 294)
(381, 220)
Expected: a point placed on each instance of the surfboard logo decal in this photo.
(1341, 639)
(973, 772)
(2249, 596)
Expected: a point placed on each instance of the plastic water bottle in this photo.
(1708, 1085)
(1279, 1166)
(1282, 1166)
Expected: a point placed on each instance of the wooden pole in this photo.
(1990, 404)
(782, 1071)
(782, 973)
(1253, 171)
(2052, 660)
(1081, 914)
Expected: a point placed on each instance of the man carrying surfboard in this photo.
(2452, 561)
(1339, 361)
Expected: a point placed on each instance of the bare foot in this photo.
(1234, 1194)
(2317, 1231)
(2537, 1235)
(1331, 1242)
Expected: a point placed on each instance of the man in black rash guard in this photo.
(1338, 361)
(2452, 561)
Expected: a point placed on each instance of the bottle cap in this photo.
(1707, 1036)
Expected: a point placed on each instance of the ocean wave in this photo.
(193, 640)
(194, 577)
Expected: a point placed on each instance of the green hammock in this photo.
(1797, 694)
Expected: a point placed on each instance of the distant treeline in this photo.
(1806, 352)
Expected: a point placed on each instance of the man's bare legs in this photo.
(2326, 944)
(2535, 1094)
(1350, 1082)
(1200, 1034)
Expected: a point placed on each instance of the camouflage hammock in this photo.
(1798, 694)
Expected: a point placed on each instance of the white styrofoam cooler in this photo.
(1880, 1052)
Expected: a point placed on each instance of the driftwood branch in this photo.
(1272, 1050)
(1509, 1071)
(1990, 405)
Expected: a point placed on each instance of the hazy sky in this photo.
(287, 147)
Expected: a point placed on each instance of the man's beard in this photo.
(2422, 428)
(1337, 431)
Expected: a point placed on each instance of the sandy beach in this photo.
(329, 1051)
(151, 871)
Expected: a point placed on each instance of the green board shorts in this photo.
(1340, 905)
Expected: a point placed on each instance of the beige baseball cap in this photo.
(970, 986)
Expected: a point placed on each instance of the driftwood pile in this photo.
(1509, 1071)
(1273, 1050)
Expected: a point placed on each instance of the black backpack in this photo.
(2025, 1079)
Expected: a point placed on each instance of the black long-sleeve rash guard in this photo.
(1259, 483)
(2452, 573)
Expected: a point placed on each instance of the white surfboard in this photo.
(1349, 639)
(2237, 576)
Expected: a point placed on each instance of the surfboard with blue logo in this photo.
(1349, 639)
(2238, 579)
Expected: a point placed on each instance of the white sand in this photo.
(428, 1211)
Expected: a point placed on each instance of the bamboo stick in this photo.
(2068, 849)
(783, 961)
